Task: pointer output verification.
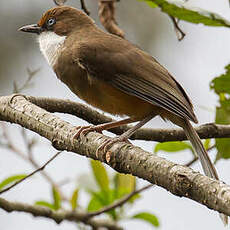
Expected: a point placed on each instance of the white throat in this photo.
(51, 46)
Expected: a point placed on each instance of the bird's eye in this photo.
(50, 22)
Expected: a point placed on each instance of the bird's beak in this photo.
(31, 29)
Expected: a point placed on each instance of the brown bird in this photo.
(112, 74)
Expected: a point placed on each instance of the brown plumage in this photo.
(114, 75)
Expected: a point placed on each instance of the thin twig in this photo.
(29, 145)
(84, 8)
(120, 202)
(35, 164)
(196, 158)
(10, 143)
(192, 161)
(29, 158)
(31, 74)
(211, 148)
(31, 174)
(179, 32)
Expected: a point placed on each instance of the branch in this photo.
(31, 174)
(84, 8)
(57, 216)
(179, 32)
(92, 116)
(107, 17)
(192, 161)
(123, 157)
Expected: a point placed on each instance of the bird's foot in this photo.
(103, 148)
(81, 131)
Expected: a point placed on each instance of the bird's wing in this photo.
(134, 72)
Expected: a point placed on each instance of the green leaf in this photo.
(207, 143)
(126, 181)
(104, 197)
(124, 184)
(223, 112)
(190, 14)
(223, 147)
(221, 84)
(100, 175)
(148, 217)
(10, 180)
(74, 198)
(223, 117)
(94, 204)
(56, 198)
(173, 146)
(101, 199)
(45, 204)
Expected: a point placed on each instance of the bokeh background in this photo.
(194, 61)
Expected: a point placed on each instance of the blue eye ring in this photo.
(50, 22)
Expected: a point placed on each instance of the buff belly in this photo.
(103, 96)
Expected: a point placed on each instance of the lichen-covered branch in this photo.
(92, 116)
(123, 157)
(57, 216)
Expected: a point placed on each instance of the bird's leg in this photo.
(124, 137)
(83, 130)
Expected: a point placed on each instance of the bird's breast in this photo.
(51, 46)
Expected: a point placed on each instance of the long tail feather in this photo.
(206, 163)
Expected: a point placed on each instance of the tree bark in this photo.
(125, 158)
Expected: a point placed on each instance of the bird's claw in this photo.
(104, 147)
(82, 131)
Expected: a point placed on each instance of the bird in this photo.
(114, 75)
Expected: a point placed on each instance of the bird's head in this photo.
(55, 26)
(61, 20)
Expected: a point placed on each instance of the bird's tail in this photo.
(198, 146)
(206, 163)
